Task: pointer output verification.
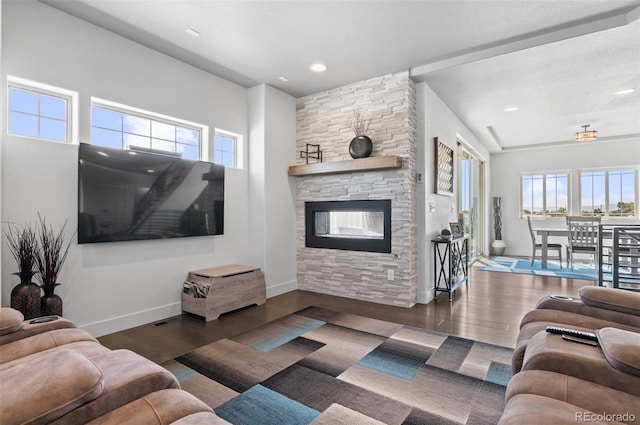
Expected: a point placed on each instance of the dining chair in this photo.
(538, 246)
(583, 237)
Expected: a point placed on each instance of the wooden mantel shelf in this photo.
(371, 163)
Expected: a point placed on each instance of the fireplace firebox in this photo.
(350, 225)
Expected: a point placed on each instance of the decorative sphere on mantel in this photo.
(360, 147)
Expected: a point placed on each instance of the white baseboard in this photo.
(282, 288)
(425, 297)
(116, 324)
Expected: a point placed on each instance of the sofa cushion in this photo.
(532, 409)
(578, 392)
(538, 320)
(10, 320)
(621, 349)
(52, 384)
(550, 352)
(159, 407)
(611, 299)
(201, 418)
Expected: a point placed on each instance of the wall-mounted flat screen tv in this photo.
(131, 195)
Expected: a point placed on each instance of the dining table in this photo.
(545, 232)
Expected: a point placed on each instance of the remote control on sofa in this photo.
(572, 332)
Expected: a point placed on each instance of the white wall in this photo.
(2, 118)
(111, 286)
(435, 119)
(272, 237)
(505, 181)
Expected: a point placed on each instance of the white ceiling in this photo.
(559, 61)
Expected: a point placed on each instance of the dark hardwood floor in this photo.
(489, 310)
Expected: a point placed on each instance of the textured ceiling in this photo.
(558, 61)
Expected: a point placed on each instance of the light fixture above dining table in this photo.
(586, 135)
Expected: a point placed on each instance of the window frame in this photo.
(41, 89)
(203, 151)
(606, 171)
(544, 174)
(237, 139)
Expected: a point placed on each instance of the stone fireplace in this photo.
(386, 275)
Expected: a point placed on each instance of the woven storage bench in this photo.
(227, 288)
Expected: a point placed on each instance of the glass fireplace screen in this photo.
(349, 225)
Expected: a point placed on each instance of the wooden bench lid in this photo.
(223, 271)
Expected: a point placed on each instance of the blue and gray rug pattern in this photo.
(324, 367)
(581, 270)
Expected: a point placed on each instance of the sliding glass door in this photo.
(471, 198)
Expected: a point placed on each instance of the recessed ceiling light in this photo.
(625, 91)
(192, 32)
(150, 171)
(511, 109)
(102, 153)
(318, 67)
(283, 79)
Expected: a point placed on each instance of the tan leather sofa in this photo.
(564, 382)
(55, 373)
(597, 308)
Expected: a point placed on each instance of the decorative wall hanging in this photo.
(443, 168)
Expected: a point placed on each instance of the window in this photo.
(608, 193)
(40, 111)
(121, 127)
(225, 148)
(545, 194)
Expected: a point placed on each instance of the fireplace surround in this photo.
(363, 225)
(323, 118)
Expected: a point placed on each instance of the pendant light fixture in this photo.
(586, 135)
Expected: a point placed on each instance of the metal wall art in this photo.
(443, 168)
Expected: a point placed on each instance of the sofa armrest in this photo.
(41, 342)
(578, 306)
(621, 349)
(56, 381)
(611, 299)
(10, 321)
(27, 328)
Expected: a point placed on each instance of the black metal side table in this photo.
(450, 264)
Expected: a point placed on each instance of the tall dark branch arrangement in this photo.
(52, 253)
(23, 245)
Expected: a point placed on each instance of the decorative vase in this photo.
(360, 147)
(50, 303)
(498, 247)
(25, 297)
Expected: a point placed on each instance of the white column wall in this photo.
(435, 119)
(272, 228)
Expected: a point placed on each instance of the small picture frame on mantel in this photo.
(443, 168)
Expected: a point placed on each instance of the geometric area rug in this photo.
(581, 270)
(318, 366)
